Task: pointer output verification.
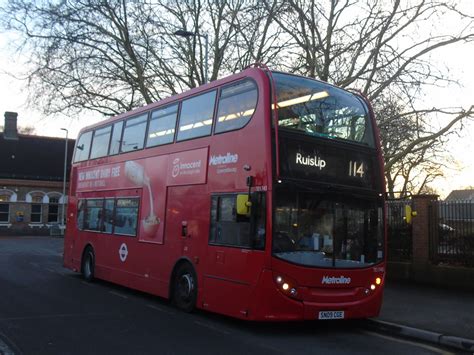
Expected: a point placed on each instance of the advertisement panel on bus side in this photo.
(151, 175)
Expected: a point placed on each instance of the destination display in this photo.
(319, 161)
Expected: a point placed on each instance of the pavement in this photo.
(437, 315)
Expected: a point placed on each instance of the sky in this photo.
(458, 59)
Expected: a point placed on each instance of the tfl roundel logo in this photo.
(123, 252)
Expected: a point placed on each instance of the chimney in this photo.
(10, 130)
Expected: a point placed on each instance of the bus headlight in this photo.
(286, 285)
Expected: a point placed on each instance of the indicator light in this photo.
(378, 280)
(288, 287)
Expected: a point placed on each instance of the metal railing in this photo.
(452, 233)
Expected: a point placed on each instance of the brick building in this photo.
(31, 180)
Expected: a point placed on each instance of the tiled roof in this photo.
(34, 158)
(467, 194)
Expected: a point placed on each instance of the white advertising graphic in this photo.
(223, 162)
(98, 177)
(136, 174)
(331, 280)
(188, 167)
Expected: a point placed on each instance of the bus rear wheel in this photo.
(185, 288)
(88, 264)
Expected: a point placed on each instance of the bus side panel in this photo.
(70, 235)
(230, 278)
(186, 230)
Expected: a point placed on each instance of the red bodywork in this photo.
(233, 281)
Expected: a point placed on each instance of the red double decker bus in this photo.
(258, 196)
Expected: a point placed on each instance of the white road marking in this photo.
(159, 309)
(50, 316)
(212, 327)
(404, 341)
(118, 294)
(87, 283)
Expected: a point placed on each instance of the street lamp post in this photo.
(64, 180)
(183, 33)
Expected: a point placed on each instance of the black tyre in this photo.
(185, 288)
(88, 264)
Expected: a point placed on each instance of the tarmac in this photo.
(436, 315)
(442, 316)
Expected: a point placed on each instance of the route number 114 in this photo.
(356, 169)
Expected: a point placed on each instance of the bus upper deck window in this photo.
(100, 142)
(83, 147)
(196, 116)
(162, 126)
(236, 106)
(134, 133)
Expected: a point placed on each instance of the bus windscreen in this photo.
(322, 230)
(319, 109)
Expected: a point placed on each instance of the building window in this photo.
(4, 211)
(4, 207)
(53, 210)
(36, 209)
(36, 213)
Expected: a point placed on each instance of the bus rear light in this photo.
(378, 281)
(372, 287)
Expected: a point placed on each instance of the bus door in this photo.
(235, 255)
(187, 218)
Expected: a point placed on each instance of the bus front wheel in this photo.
(88, 264)
(185, 288)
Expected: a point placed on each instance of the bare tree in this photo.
(414, 149)
(382, 48)
(112, 56)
